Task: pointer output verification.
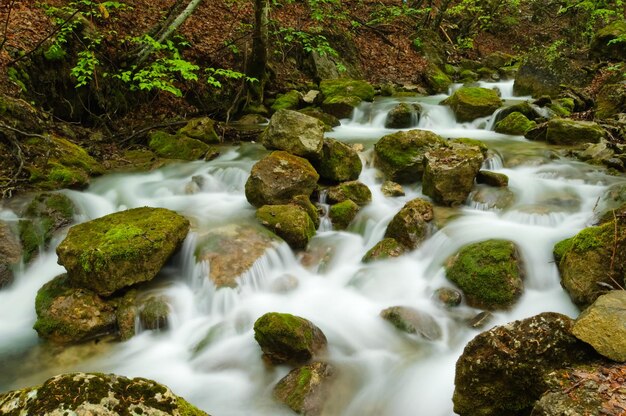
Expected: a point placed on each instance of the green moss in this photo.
(356, 191)
(592, 238)
(343, 213)
(437, 80)
(187, 409)
(339, 162)
(347, 88)
(305, 203)
(515, 124)
(473, 142)
(177, 147)
(296, 397)
(561, 248)
(292, 223)
(202, 129)
(287, 101)
(469, 103)
(384, 249)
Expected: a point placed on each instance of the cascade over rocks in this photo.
(470, 103)
(410, 226)
(121, 249)
(278, 178)
(295, 133)
(400, 155)
(290, 222)
(96, 394)
(285, 338)
(306, 389)
(502, 372)
(339, 162)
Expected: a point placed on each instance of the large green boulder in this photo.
(287, 101)
(278, 178)
(470, 103)
(410, 226)
(121, 249)
(355, 191)
(524, 108)
(603, 325)
(305, 389)
(202, 129)
(290, 222)
(343, 213)
(400, 155)
(180, 147)
(402, 116)
(515, 123)
(489, 273)
(295, 133)
(604, 45)
(339, 162)
(570, 132)
(544, 72)
(342, 96)
(435, 79)
(96, 394)
(449, 173)
(502, 372)
(285, 338)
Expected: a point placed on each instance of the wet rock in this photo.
(121, 249)
(403, 116)
(329, 120)
(202, 129)
(339, 162)
(392, 189)
(481, 320)
(285, 283)
(287, 101)
(400, 155)
(435, 79)
(601, 46)
(613, 198)
(493, 198)
(251, 120)
(489, 273)
(290, 222)
(295, 133)
(305, 203)
(449, 173)
(384, 249)
(470, 103)
(603, 325)
(342, 96)
(343, 213)
(154, 313)
(125, 314)
(232, 250)
(278, 178)
(410, 226)
(42, 218)
(597, 152)
(356, 191)
(611, 100)
(502, 371)
(492, 178)
(524, 108)
(96, 394)
(412, 321)
(516, 124)
(177, 147)
(305, 389)
(67, 314)
(312, 97)
(286, 338)
(497, 60)
(569, 132)
(448, 297)
(10, 254)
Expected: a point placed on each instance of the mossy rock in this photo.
(392, 189)
(403, 115)
(467, 76)
(177, 147)
(473, 143)
(384, 249)
(290, 222)
(497, 60)
(67, 314)
(470, 103)
(329, 120)
(400, 155)
(503, 371)
(154, 313)
(278, 178)
(412, 321)
(343, 213)
(295, 133)
(410, 226)
(435, 79)
(515, 124)
(496, 179)
(341, 106)
(524, 108)
(611, 100)
(488, 74)
(10, 253)
(305, 389)
(496, 198)
(121, 249)
(489, 273)
(285, 338)
(287, 101)
(97, 394)
(347, 88)
(202, 129)
(448, 297)
(305, 203)
(600, 47)
(571, 132)
(339, 162)
(355, 191)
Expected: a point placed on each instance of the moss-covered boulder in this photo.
(305, 203)
(384, 249)
(489, 273)
(279, 177)
(567, 132)
(497, 60)
(605, 45)
(592, 261)
(339, 162)
(154, 313)
(305, 389)
(400, 155)
(295, 133)
(435, 79)
(96, 394)
(180, 147)
(603, 325)
(67, 314)
(290, 222)
(10, 253)
(202, 128)
(469, 103)
(343, 213)
(525, 108)
(121, 249)
(232, 250)
(515, 123)
(490, 178)
(355, 191)
(502, 371)
(611, 100)
(410, 226)
(449, 173)
(342, 96)
(42, 218)
(287, 101)
(286, 338)
(392, 189)
(403, 116)
(329, 120)
(412, 321)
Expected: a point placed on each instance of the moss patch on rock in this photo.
(290, 222)
(410, 225)
(515, 123)
(384, 249)
(305, 389)
(355, 191)
(343, 213)
(177, 147)
(339, 162)
(470, 103)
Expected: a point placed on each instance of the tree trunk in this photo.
(257, 64)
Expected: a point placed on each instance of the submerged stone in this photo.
(412, 321)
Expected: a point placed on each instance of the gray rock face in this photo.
(603, 325)
(295, 133)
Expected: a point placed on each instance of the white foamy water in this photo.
(209, 355)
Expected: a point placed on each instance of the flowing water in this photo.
(209, 355)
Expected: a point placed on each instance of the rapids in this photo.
(209, 355)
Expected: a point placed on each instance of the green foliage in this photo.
(594, 13)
